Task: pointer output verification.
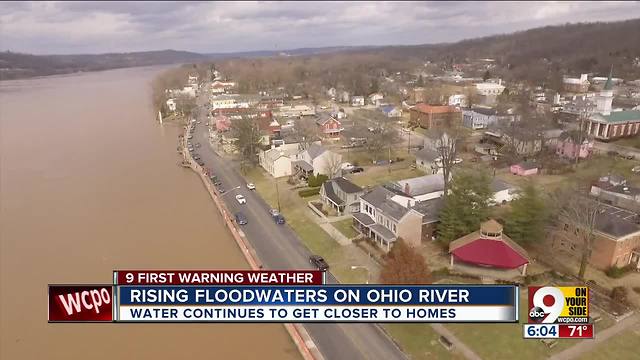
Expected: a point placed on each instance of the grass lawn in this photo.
(504, 341)
(630, 142)
(346, 228)
(375, 175)
(420, 341)
(623, 346)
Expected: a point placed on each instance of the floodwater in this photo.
(89, 182)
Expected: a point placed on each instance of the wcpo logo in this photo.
(80, 303)
(565, 304)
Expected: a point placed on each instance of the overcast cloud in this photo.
(98, 27)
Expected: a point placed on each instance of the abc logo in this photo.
(537, 314)
(547, 305)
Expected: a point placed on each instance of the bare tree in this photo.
(446, 143)
(332, 164)
(305, 132)
(576, 221)
(247, 134)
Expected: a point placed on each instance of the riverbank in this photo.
(298, 334)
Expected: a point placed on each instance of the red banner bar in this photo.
(575, 331)
(217, 277)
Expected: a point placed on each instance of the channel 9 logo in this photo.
(565, 304)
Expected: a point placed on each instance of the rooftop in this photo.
(619, 116)
(420, 185)
(434, 109)
(346, 185)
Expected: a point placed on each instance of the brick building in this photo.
(434, 116)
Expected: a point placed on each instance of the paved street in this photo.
(278, 247)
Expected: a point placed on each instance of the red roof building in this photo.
(435, 116)
(489, 247)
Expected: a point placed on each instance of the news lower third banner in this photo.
(283, 303)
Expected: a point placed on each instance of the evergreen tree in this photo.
(526, 221)
(404, 265)
(466, 206)
(486, 76)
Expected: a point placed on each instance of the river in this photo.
(89, 182)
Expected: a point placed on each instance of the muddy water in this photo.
(89, 182)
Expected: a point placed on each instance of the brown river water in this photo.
(89, 182)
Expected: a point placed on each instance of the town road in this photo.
(278, 247)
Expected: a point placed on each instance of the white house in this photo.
(317, 160)
(503, 192)
(458, 100)
(391, 111)
(375, 99)
(171, 104)
(277, 160)
(332, 93)
(489, 88)
(421, 188)
(357, 101)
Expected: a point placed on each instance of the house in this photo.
(223, 102)
(410, 191)
(384, 220)
(328, 126)
(524, 169)
(481, 117)
(357, 101)
(426, 160)
(417, 95)
(332, 93)
(616, 242)
(459, 100)
(503, 192)
(223, 123)
(391, 111)
(486, 149)
(340, 114)
(523, 142)
(297, 110)
(277, 161)
(225, 85)
(569, 145)
(341, 195)
(316, 160)
(576, 85)
(489, 247)
(490, 88)
(375, 99)
(605, 124)
(434, 116)
(171, 104)
(614, 190)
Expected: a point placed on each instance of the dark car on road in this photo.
(241, 219)
(319, 262)
(221, 189)
(196, 157)
(279, 219)
(200, 162)
(357, 170)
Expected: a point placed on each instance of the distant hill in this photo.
(572, 48)
(17, 65)
(528, 55)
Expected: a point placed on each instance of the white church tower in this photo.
(604, 99)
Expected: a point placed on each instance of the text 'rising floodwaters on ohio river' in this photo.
(89, 183)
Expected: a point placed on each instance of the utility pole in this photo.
(278, 194)
(584, 113)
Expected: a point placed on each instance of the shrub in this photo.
(618, 272)
(441, 272)
(318, 180)
(636, 289)
(619, 294)
(309, 192)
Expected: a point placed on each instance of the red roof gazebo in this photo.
(490, 248)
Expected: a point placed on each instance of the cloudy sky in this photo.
(95, 27)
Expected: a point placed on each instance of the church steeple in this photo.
(609, 84)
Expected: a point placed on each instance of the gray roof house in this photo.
(316, 159)
(341, 194)
(614, 190)
(384, 218)
(421, 188)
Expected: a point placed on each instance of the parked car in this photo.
(279, 219)
(241, 199)
(251, 186)
(196, 157)
(190, 137)
(197, 145)
(319, 262)
(274, 212)
(241, 219)
(200, 162)
(191, 149)
(635, 169)
(221, 189)
(357, 169)
(347, 166)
